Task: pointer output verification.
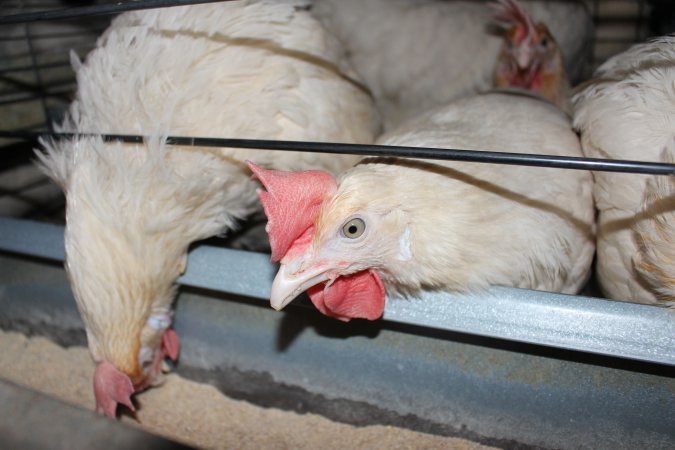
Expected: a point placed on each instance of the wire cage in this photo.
(575, 340)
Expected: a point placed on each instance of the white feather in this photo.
(627, 112)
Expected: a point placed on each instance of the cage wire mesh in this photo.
(36, 86)
(37, 81)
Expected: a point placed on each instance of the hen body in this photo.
(627, 112)
(263, 70)
(449, 225)
(415, 55)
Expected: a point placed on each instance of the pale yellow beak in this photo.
(289, 284)
(524, 58)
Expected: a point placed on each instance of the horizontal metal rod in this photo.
(94, 10)
(81, 48)
(56, 35)
(35, 87)
(521, 159)
(59, 94)
(27, 68)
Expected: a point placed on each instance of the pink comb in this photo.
(512, 12)
(291, 203)
(110, 388)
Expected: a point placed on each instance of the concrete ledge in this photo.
(32, 420)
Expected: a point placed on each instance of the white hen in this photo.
(407, 225)
(246, 69)
(627, 112)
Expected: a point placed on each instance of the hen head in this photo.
(530, 57)
(122, 275)
(332, 242)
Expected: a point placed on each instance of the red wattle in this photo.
(357, 296)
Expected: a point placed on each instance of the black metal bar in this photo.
(80, 48)
(94, 10)
(36, 88)
(61, 94)
(521, 159)
(52, 36)
(7, 4)
(54, 65)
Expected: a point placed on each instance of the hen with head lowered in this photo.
(247, 69)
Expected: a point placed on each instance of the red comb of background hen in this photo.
(357, 296)
(291, 203)
(512, 12)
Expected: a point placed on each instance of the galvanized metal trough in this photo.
(507, 367)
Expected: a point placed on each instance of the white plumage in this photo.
(247, 69)
(655, 260)
(449, 225)
(417, 54)
(627, 112)
(522, 226)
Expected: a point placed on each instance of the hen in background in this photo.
(249, 69)
(628, 112)
(408, 225)
(530, 57)
(418, 54)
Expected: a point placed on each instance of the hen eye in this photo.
(354, 228)
(543, 42)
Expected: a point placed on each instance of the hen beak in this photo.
(290, 283)
(524, 58)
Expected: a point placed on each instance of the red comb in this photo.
(512, 12)
(110, 388)
(291, 203)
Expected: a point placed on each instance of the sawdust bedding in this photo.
(198, 414)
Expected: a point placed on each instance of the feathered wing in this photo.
(509, 225)
(237, 52)
(655, 234)
(627, 113)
